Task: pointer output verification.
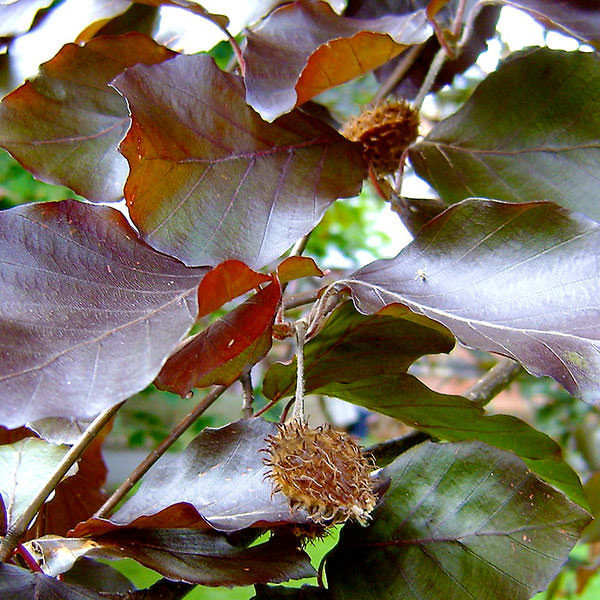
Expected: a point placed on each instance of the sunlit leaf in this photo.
(296, 267)
(516, 279)
(210, 181)
(17, 16)
(529, 132)
(460, 521)
(218, 482)
(26, 466)
(88, 312)
(65, 125)
(304, 48)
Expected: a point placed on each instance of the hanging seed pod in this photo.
(385, 132)
(322, 471)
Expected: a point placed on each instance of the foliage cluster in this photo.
(225, 162)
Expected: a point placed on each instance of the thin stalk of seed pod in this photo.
(300, 326)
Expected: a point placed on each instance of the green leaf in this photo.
(520, 280)
(455, 418)
(529, 132)
(352, 346)
(26, 466)
(459, 522)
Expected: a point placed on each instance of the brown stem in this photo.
(494, 381)
(248, 394)
(143, 467)
(29, 560)
(18, 529)
(458, 18)
(436, 64)
(401, 69)
(301, 299)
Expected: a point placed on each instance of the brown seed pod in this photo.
(385, 132)
(322, 471)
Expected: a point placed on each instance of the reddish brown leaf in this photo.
(88, 312)
(225, 349)
(225, 282)
(65, 125)
(217, 482)
(210, 180)
(296, 267)
(304, 48)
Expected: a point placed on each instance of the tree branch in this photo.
(18, 529)
(494, 381)
(145, 465)
(398, 73)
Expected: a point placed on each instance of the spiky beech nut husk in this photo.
(385, 132)
(322, 471)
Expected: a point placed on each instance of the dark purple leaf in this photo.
(226, 348)
(207, 558)
(304, 48)
(529, 132)
(88, 312)
(210, 181)
(460, 521)
(218, 482)
(516, 279)
(19, 584)
(17, 16)
(98, 576)
(65, 125)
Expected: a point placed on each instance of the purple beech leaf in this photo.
(16, 16)
(218, 483)
(66, 124)
(519, 280)
(69, 21)
(88, 312)
(20, 584)
(208, 558)
(459, 521)
(210, 181)
(529, 132)
(304, 48)
(26, 466)
(98, 576)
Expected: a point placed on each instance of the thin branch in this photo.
(401, 69)
(301, 299)
(265, 408)
(248, 394)
(458, 18)
(436, 64)
(385, 452)
(494, 381)
(301, 326)
(19, 528)
(145, 465)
